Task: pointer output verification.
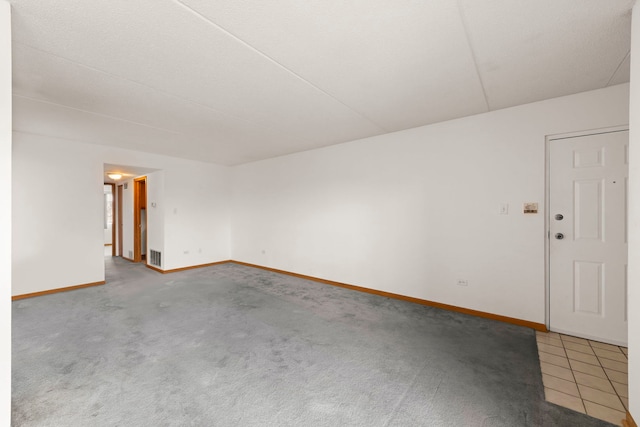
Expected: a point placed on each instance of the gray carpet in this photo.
(230, 345)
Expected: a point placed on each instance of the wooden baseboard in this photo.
(155, 269)
(191, 267)
(629, 421)
(128, 259)
(55, 291)
(512, 320)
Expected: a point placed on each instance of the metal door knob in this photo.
(559, 217)
(559, 236)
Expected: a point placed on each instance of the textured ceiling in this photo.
(233, 81)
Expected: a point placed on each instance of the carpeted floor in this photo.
(230, 345)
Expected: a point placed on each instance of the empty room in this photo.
(244, 213)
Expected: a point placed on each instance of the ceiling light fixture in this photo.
(114, 176)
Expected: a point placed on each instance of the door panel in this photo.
(588, 246)
(588, 205)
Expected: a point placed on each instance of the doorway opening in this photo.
(109, 219)
(130, 218)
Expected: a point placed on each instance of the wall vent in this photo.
(155, 258)
(130, 254)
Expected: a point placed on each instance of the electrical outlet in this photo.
(463, 282)
(504, 209)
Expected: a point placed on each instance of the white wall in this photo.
(414, 211)
(58, 238)
(156, 213)
(5, 212)
(634, 220)
(196, 222)
(74, 208)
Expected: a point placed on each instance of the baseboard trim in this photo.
(191, 267)
(55, 291)
(155, 269)
(528, 324)
(512, 320)
(128, 259)
(629, 421)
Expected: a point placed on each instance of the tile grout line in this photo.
(573, 374)
(552, 345)
(598, 358)
(608, 379)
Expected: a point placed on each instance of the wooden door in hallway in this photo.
(140, 219)
(588, 236)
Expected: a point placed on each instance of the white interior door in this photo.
(588, 236)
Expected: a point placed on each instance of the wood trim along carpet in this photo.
(155, 269)
(512, 320)
(128, 259)
(55, 291)
(175, 270)
(629, 421)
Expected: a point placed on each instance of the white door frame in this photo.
(547, 225)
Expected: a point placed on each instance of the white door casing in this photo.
(588, 181)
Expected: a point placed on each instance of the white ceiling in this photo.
(233, 81)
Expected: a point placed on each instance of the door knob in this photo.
(559, 236)
(559, 217)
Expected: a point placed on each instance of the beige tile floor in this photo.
(583, 375)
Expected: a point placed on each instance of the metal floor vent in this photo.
(155, 258)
